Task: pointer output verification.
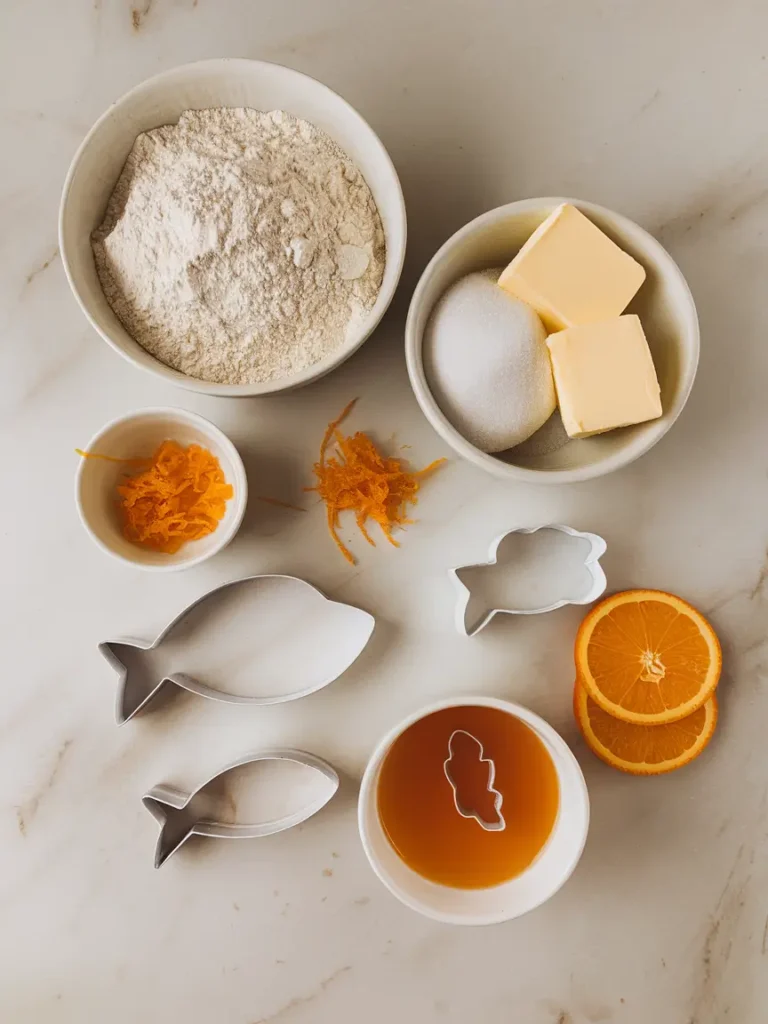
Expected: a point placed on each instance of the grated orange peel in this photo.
(359, 479)
(181, 496)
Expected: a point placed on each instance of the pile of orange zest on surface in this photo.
(181, 496)
(362, 481)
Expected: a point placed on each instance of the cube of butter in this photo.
(572, 273)
(604, 376)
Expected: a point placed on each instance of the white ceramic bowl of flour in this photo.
(665, 306)
(160, 101)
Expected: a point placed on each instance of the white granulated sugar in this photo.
(240, 246)
(486, 360)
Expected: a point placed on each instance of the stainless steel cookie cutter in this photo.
(594, 586)
(179, 819)
(133, 659)
(490, 826)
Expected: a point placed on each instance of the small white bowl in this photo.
(534, 886)
(226, 82)
(664, 304)
(136, 435)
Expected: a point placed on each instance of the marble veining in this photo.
(651, 108)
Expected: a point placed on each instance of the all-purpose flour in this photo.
(240, 246)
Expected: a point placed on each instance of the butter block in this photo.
(604, 376)
(572, 273)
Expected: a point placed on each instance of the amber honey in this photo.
(416, 803)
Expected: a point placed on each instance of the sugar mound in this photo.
(487, 363)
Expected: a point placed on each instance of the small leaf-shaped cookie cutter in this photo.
(490, 826)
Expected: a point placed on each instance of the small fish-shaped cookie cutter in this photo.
(173, 809)
(490, 826)
(135, 693)
(594, 588)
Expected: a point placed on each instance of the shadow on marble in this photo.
(199, 853)
(273, 478)
(371, 661)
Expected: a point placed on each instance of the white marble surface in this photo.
(652, 108)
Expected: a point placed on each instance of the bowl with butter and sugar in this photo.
(552, 340)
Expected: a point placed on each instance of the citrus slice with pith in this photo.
(647, 657)
(643, 749)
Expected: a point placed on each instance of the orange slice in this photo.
(647, 657)
(643, 749)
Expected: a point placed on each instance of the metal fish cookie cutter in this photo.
(182, 815)
(490, 826)
(294, 641)
(591, 586)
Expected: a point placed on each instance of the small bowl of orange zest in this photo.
(161, 489)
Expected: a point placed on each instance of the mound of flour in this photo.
(240, 246)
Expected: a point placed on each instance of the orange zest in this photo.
(647, 657)
(644, 749)
(181, 496)
(108, 458)
(360, 480)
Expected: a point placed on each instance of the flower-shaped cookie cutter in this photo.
(595, 581)
(499, 824)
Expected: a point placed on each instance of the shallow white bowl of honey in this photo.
(449, 867)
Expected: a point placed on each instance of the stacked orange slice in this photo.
(647, 664)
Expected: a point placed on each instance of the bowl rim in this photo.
(367, 795)
(283, 384)
(488, 462)
(240, 483)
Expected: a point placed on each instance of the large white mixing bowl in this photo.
(226, 82)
